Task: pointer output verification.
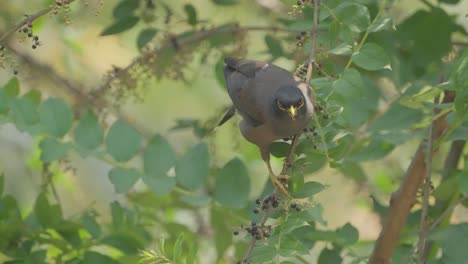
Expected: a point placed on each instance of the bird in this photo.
(274, 104)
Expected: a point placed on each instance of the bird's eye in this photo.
(280, 106)
(301, 103)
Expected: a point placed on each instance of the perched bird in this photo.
(273, 102)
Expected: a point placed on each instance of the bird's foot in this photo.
(280, 182)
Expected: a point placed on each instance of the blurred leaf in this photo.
(347, 235)
(159, 185)
(95, 257)
(222, 231)
(449, 1)
(89, 133)
(12, 87)
(197, 201)
(263, 253)
(46, 214)
(121, 25)
(448, 186)
(122, 141)
(353, 170)
(4, 101)
(145, 37)
(375, 150)
(177, 250)
(355, 16)
(308, 190)
(418, 100)
(89, 223)
(225, 2)
(219, 73)
(52, 149)
(123, 179)
(274, 46)
(191, 13)
(56, 117)
(125, 9)
(349, 85)
(117, 215)
(459, 77)
(24, 113)
(417, 33)
(329, 256)
(2, 184)
(398, 117)
(452, 241)
(460, 133)
(35, 96)
(343, 49)
(192, 168)
(232, 185)
(279, 149)
(462, 180)
(158, 157)
(371, 57)
(381, 23)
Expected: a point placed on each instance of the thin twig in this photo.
(313, 48)
(425, 203)
(26, 20)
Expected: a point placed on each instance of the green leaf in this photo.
(145, 37)
(125, 9)
(122, 141)
(279, 149)
(308, 190)
(2, 184)
(371, 57)
(177, 250)
(462, 180)
(347, 235)
(329, 256)
(222, 230)
(46, 214)
(225, 2)
(121, 25)
(233, 185)
(191, 14)
(452, 241)
(274, 46)
(452, 2)
(95, 257)
(398, 117)
(192, 168)
(4, 101)
(123, 179)
(24, 113)
(12, 87)
(35, 96)
(89, 133)
(219, 73)
(196, 200)
(89, 223)
(343, 49)
(350, 84)
(159, 185)
(52, 149)
(158, 157)
(381, 23)
(56, 117)
(117, 214)
(374, 150)
(263, 253)
(355, 16)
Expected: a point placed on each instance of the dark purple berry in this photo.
(255, 211)
(15, 72)
(25, 30)
(303, 33)
(235, 233)
(257, 201)
(293, 205)
(34, 46)
(36, 38)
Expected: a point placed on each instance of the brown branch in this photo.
(313, 49)
(26, 20)
(404, 198)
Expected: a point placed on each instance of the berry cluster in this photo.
(272, 200)
(300, 38)
(28, 31)
(301, 2)
(62, 5)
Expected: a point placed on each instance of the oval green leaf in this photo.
(121, 25)
(56, 117)
(192, 168)
(145, 37)
(158, 157)
(233, 185)
(355, 16)
(122, 141)
(89, 133)
(52, 149)
(371, 57)
(123, 178)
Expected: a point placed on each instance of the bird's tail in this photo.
(230, 113)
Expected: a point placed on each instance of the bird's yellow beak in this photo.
(292, 111)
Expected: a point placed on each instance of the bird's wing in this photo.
(241, 84)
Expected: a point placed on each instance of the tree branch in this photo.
(313, 49)
(404, 198)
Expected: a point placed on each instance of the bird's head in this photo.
(290, 100)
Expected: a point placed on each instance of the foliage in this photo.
(357, 123)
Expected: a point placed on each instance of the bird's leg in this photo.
(279, 180)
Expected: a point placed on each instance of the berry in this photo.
(25, 30)
(15, 72)
(298, 209)
(34, 46)
(255, 211)
(257, 201)
(325, 116)
(30, 25)
(235, 233)
(303, 33)
(298, 37)
(293, 205)
(30, 35)
(1, 47)
(299, 2)
(258, 237)
(36, 38)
